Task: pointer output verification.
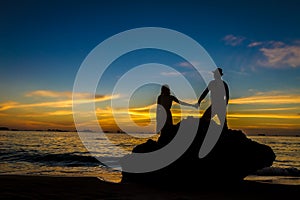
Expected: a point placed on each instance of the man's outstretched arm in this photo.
(203, 95)
(227, 92)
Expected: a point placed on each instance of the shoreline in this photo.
(59, 187)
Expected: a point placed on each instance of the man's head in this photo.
(218, 73)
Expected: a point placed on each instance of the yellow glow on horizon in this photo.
(51, 109)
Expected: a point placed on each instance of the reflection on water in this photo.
(63, 154)
(287, 149)
(60, 153)
(288, 180)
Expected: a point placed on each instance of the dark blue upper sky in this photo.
(44, 42)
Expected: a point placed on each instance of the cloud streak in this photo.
(61, 94)
(267, 98)
(261, 115)
(255, 44)
(172, 74)
(49, 93)
(277, 54)
(86, 98)
(233, 40)
(188, 64)
(280, 57)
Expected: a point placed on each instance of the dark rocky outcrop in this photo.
(233, 158)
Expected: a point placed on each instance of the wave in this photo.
(277, 171)
(64, 159)
(85, 159)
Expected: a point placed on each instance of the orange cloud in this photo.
(56, 104)
(275, 109)
(49, 93)
(64, 94)
(259, 115)
(268, 98)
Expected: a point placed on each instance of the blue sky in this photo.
(43, 43)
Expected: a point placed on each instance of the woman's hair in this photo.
(165, 89)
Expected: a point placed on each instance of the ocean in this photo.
(63, 154)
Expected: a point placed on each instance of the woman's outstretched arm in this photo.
(182, 102)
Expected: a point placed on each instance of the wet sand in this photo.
(46, 187)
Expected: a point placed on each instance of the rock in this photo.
(232, 159)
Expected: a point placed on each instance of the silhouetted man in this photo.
(219, 93)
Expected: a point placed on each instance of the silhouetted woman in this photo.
(163, 113)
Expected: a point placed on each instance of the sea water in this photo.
(64, 154)
(285, 168)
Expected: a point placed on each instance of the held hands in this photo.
(196, 105)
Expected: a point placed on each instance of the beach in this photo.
(51, 187)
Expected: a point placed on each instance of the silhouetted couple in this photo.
(219, 93)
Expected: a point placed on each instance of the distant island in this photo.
(261, 134)
(3, 128)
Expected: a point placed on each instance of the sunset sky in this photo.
(43, 44)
